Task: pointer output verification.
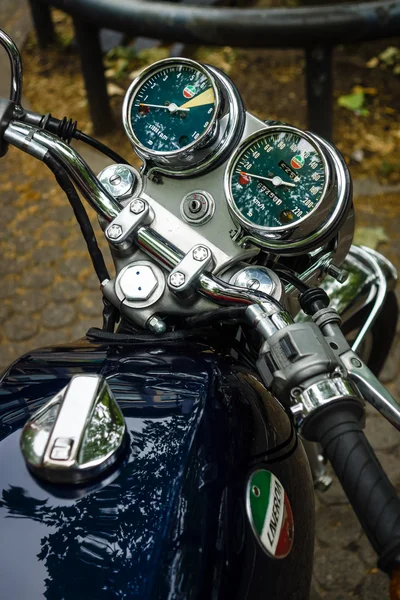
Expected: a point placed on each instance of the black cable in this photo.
(66, 130)
(110, 313)
(81, 215)
(229, 313)
(83, 137)
(292, 279)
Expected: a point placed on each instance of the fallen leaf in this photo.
(382, 145)
(114, 90)
(358, 89)
(390, 55)
(135, 73)
(373, 62)
(352, 101)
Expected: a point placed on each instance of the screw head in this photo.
(137, 206)
(200, 253)
(356, 363)
(119, 180)
(114, 232)
(177, 279)
(253, 284)
(115, 179)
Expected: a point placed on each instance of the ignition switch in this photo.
(197, 207)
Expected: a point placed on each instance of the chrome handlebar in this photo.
(37, 142)
(264, 313)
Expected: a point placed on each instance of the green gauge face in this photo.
(173, 107)
(277, 180)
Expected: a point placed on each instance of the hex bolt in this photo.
(200, 253)
(119, 180)
(137, 206)
(114, 232)
(156, 325)
(323, 483)
(339, 274)
(177, 279)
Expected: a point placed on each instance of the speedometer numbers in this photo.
(277, 179)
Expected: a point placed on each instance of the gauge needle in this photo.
(206, 97)
(277, 181)
(173, 108)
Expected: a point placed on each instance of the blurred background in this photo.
(48, 292)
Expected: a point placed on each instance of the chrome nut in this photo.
(114, 232)
(119, 181)
(200, 253)
(137, 206)
(177, 279)
(138, 282)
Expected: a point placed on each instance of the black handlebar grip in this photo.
(337, 427)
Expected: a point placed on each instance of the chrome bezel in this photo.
(303, 225)
(330, 219)
(136, 85)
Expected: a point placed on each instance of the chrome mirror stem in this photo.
(16, 67)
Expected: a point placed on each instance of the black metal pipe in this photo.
(87, 37)
(319, 88)
(41, 17)
(242, 27)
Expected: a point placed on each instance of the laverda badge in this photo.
(270, 513)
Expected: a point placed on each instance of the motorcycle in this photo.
(174, 452)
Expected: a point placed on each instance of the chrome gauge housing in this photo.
(287, 190)
(182, 117)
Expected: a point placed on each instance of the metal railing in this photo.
(316, 29)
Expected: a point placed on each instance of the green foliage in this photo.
(354, 102)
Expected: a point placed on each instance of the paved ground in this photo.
(48, 295)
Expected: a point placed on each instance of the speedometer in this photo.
(287, 189)
(277, 179)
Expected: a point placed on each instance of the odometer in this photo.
(171, 107)
(277, 178)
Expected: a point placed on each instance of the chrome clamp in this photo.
(121, 230)
(187, 272)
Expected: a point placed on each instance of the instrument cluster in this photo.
(272, 185)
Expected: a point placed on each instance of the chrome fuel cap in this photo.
(77, 435)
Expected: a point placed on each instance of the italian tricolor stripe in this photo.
(271, 513)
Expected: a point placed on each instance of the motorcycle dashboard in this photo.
(221, 169)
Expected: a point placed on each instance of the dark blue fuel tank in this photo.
(170, 522)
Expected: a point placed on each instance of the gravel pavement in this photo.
(49, 295)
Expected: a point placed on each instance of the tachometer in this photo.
(183, 118)
(171, 107)
(282, 186)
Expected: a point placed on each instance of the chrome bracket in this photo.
(329, 389)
